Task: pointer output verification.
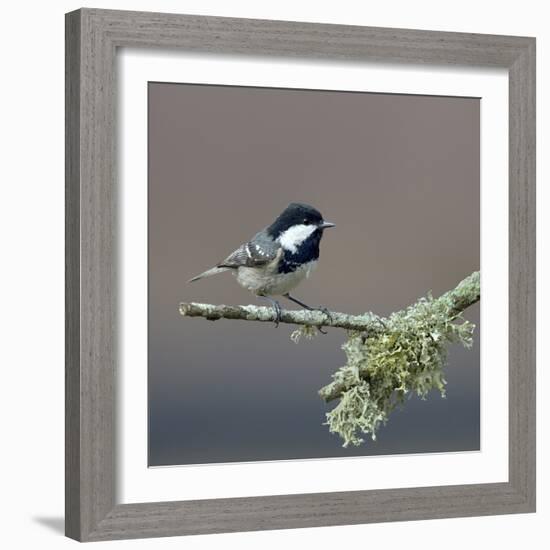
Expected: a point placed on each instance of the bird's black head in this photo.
(297, 214)
(298, 229)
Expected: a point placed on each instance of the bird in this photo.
(279, 257)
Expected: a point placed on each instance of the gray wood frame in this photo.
(92, 38)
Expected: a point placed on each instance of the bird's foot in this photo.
(278, 312)
(277, 307)
(323, 309)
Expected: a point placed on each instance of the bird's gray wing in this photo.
(259, 251)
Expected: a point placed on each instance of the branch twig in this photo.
(368, 322)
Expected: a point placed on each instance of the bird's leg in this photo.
(324, 309)
(276, 306)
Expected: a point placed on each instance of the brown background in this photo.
(398, 174)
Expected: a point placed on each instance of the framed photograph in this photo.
(300, 275)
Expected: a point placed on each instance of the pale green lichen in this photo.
(305, 331)
(406, 358)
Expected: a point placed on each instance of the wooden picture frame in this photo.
(92, 38)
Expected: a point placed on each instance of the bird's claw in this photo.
(323, 309)
(326, 312)
(278, 313)
(277, 307)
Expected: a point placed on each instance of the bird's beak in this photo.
(326, 225)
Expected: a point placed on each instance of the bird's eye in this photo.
(306, 221)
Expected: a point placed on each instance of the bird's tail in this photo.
(209, 273)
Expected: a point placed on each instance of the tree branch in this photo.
(368, 322)
(386, 358)
(466, 293)
(461, 297)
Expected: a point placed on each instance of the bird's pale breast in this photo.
(271, 283)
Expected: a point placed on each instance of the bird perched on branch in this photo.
(279, 257)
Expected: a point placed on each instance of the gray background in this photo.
(400, 177)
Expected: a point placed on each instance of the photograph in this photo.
(313, 274)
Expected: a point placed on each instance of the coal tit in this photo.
(279, 257)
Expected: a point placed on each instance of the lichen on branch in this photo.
(407, 358)
(388, 359)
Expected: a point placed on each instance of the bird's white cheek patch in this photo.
(293, 237)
